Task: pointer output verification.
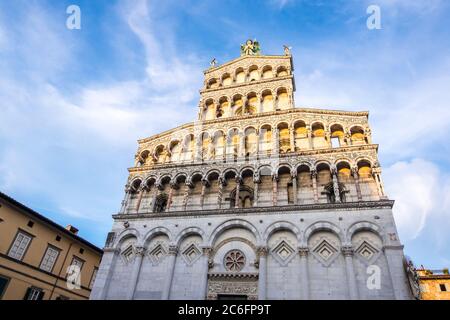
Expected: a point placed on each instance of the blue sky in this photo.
(74, 102)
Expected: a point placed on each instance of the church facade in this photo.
(257, 199)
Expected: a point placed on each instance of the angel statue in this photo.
(250, 48)
(287, 50)
(213, 62)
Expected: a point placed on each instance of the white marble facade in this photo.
(255, 200)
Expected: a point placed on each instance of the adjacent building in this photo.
(35, 254)
(434, 284)
(256, 199)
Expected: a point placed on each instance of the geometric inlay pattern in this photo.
(191, 254)
(325, 252)
(283, 252)
(128, 254)
(234, 261)
(157, 254)
(367, 252)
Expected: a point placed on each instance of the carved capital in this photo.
(262, 251)
(139, 251)
(347, 251)
(207, 251)
(173, 250)
(303, 251)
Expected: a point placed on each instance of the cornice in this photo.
(232, 275)
(262, 210)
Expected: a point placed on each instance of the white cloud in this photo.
(420, 191)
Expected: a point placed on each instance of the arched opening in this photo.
(187, 153)
(175, 151)
(301, 135)
(282, 71)
(265, 139)
(144, 158)
(318, 136)
(323, 180)
(267, 101)
(304, 185)
(357, 135)
(161, 154)
(285, 186)
(250, 142)
(238, 103)
(209, 111)
(253, 73)
(224, 108)
(213, 83)
(284, 137)
(282, 99)
(267, 72)
(233, 144)
(207, 147)
(219, 145)
(240, 75)
(337, 135)
(226, 79)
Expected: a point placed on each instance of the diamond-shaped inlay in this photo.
(157, 254)
(284, 250)
(128, 254)
(191, 253)
(366, 250)
(325, 252)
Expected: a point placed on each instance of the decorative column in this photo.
(337, 194)
(256, 182)
(137, 262)
(294, 185)
(274, 189)
(292, 138)
(205, 267)
(376, 172)
(186, 195)
(310, 141)
(173, 250)
(357, 184)
(276, 141)
(314, 183)
(220, 192)
(262, 277)
(125, 199)
(238, 189)
(304, 273)
(351, 279)
(260, 104)
(242, 150)
(328, 138)
(205, 183)
(154, 195)
(142, 189)
(369, 136)
(169, 199)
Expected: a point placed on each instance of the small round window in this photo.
(234, 261)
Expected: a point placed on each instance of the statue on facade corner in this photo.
(250, 48)
(287, 50)
(213, 62)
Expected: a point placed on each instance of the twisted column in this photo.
(314, 183)
(220, 192)
(125, 199)
(186, 196)
(274, 190)
(294, 186)
(238, 188)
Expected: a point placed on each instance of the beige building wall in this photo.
(434, 285)
(26, 272)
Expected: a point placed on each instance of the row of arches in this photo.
(343, 181)
(247, 104)
(319, 261)
(265, 140)
(242, 75)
